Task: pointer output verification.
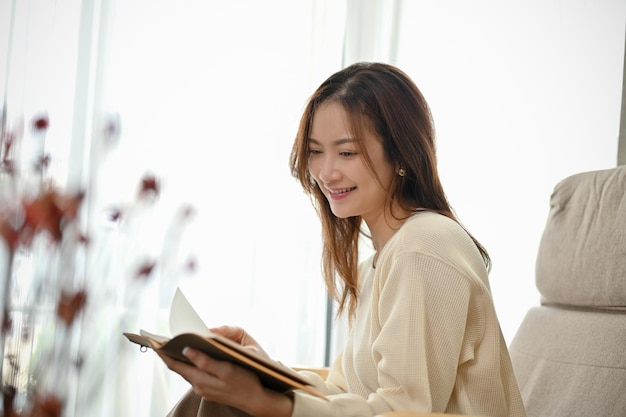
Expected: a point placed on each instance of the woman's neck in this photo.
(384, 227)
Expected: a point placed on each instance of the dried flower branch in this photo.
(40, 223)
(44, 213)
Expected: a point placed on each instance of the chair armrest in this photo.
(415, 414)
(322, 372)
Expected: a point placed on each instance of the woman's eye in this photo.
(314, 152)
(347, 153)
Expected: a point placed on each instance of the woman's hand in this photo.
(239, 335)
(229, 384)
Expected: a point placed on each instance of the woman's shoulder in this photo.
(429, 227)
(427, 233)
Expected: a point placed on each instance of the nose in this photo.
(327, 169)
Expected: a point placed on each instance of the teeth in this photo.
(343, 190)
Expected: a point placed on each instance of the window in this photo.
(206, 97)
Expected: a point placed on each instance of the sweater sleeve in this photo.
(418, 318)
(335, 383)
(421, 311)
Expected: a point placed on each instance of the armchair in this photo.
(568, 353)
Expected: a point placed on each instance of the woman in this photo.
(424, 335)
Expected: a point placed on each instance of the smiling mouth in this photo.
(341, 191)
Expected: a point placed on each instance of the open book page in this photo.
(183, 317)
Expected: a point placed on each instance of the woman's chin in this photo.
(342, 214)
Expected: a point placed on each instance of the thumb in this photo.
(236, 334)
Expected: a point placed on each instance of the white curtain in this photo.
(208, 95)
(38, 74)
(205, 98)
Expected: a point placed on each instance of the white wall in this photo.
(524, 93)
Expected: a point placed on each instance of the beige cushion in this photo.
(571, 363)
(568, 354)
(582, 255)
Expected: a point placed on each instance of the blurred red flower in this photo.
(70, 305)
(50, 211)
(41, 122)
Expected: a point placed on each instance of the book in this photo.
(190, 331)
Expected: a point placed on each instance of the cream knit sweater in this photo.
(426, 336)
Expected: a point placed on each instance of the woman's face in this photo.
(337, 165)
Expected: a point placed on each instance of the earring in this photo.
(401, 172)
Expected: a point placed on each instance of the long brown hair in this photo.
(384, 99)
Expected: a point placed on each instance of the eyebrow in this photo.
(335, 143)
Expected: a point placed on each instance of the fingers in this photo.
(222, 381)
(201, 364)
(174, 364)
(239, 335)
(197, 358)
(236, 334)
(201, 360)
(215, 368)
